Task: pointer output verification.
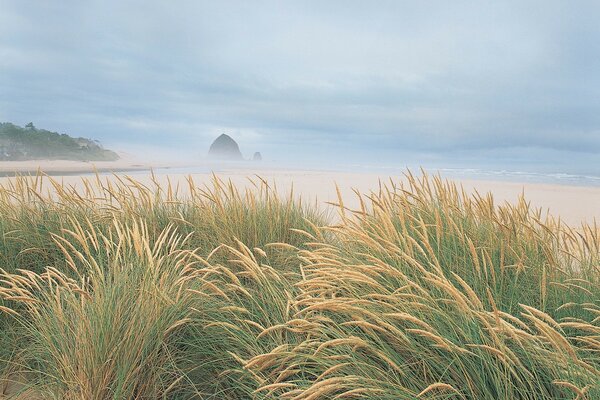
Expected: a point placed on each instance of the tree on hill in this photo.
(30, 143)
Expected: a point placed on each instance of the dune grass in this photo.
(116, 290)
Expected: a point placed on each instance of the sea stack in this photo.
(225, 148)
(257, 156)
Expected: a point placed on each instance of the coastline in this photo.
(573, 204)
(69, 167)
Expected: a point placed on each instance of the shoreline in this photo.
(572, 204)
(59, 172)
(70, 167)
(57, 168)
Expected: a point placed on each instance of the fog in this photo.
(509, 86)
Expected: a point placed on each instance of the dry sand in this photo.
(56, 167)
(574, 204)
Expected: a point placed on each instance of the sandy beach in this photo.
(69, 167)
(574, 204)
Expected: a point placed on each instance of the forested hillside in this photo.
(29, 143)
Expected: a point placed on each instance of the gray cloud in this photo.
(384, 78)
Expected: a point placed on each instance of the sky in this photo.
(511, 84)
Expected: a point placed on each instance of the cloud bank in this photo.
(437, 80)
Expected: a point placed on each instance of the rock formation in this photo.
(225, 148)
(257, 156)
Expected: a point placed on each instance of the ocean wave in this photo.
(501, 174)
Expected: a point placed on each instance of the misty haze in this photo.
(299, 200)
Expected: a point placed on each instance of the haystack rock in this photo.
(225, 148)
(257, 156)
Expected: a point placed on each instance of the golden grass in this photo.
(119, 290)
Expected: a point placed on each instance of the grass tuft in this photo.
(120, 290)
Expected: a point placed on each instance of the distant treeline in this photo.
(29, 143)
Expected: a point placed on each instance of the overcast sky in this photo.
(359, 79)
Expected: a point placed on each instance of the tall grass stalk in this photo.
(122, 290)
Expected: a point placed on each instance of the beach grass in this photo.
(119, 290)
